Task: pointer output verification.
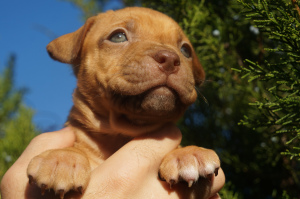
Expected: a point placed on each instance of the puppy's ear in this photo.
(199, 73)
(67, 47)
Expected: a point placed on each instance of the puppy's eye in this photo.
(118, 37)
(186, 50)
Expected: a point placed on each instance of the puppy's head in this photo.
(135, 68)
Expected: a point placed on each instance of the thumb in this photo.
(149, 150)
(136, 161)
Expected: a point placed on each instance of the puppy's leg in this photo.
(61, 170)
(188, 164)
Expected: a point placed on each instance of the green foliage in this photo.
(279, 73)
(228, 193)
(279, 108)
(8, 99)
(16, 127)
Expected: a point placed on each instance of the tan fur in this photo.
(124, 89)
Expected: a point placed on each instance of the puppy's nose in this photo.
(169, 62)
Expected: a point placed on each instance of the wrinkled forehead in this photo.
(144, 23)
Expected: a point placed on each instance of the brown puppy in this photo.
(136, 71)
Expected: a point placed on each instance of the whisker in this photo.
(204, 81)
(201, 96)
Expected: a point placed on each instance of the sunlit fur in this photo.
(118, 95)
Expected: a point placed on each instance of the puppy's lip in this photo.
(161, 90)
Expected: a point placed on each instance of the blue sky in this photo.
(26, 27)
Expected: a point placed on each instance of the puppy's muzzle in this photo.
(168, 61)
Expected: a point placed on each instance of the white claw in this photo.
(190, 182)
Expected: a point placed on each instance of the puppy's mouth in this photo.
(157, 102)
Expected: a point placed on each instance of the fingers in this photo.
(156, 145)
(148, 150)
(218, 182)
(133, 171)
(134, 168)
(15, 178)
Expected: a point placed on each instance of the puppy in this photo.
(136, 71)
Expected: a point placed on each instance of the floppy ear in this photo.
(199, 73)
(67, 47)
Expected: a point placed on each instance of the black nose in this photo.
(169, 62)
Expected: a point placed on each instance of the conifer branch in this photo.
(295, 3)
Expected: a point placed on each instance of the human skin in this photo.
(129, 173)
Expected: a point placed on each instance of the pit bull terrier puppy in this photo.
(136, 71)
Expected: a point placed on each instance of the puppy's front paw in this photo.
(188, 164)
(61, 170)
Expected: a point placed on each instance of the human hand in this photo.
(129, 173)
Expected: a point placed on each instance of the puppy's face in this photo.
(135, 65)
